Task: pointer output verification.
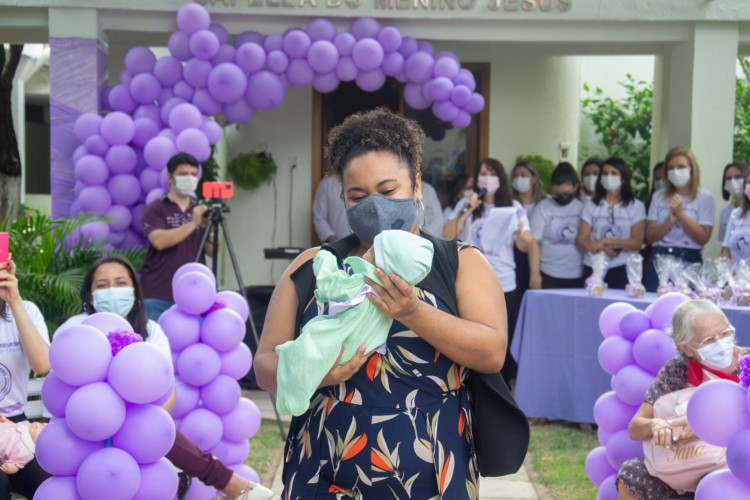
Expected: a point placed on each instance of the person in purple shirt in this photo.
(174, 226)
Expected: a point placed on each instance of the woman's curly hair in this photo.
(378, 130)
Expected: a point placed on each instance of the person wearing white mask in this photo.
(681, 217)
(613, 222)
(174, 225)
(527, 186)
(706, 351)
(589, 177)
(732, 190)
(736, 243)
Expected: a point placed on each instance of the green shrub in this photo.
(250, 170)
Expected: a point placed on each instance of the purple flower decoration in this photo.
(745, 371)
(218, 304)
(120, 339)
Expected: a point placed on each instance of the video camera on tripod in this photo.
(218, 190)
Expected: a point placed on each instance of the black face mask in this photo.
(563, 199)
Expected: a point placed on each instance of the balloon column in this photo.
(109, 432)
(205, 331)
(634, 349)
(161, 107)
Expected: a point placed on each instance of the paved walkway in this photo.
(515, 487)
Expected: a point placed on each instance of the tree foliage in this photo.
(742, 114)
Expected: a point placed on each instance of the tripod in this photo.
(218, 208)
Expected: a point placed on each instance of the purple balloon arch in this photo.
(161, 107)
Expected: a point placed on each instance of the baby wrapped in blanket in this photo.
(352, 319)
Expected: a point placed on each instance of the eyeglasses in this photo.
(725, 333)
(611, 214)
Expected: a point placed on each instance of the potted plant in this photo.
(250, 170)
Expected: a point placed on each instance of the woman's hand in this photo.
(662, 433)
(676, 206)
(472, 202)
(397, 298)
(8, 282)
(341, 373)
(595, 246)
(681, 431)
(535, 281)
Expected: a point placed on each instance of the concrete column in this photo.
(660, 111)
(78, 64)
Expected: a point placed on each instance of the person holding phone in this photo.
(613, 222)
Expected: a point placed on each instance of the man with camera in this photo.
(174, 226)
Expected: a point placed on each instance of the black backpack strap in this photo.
(441, 280)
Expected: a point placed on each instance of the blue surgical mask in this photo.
(377, 213)
(115, 299)
(658, 184)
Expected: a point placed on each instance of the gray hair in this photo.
(684, 317)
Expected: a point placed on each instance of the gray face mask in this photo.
(377, 213)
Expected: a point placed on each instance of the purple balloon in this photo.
(322, 56)
(277, 61)
(414, 97)
(393, 63)
(609, 319)
(476, 104)
(461, 96)
(91, 170)
(462, 120)
(80, 355)
(364, 27)
(264, 90)
(167, 133)
(631, 384)
(194, 142)
(158, 480)
(440, 89)
(344, 43)
(202, 427)
(295, 44)
(604, 434)
(246, 472)
(149, 179)
(96, 145)
(465, 78)
(272, 42)
(633, 323)
(137, 216)
(212, 131)
(87, 125)
(227, 83)
(158, 151)
(446, 67)
(664, 306)
(346, 70)
(738, 456)
(107, 322)
(184, 116)
(620, 448)
(204, 44)
(168, 70)
(325, 83)
(389, 38)
(121, 159)
(220, 31)
(445, 110)
(418, 67)
(250, 57)
(198, 364)
(194, 293)
(223, 330)
(196, 72)
(652, 349)
(187, 397)
(321, 29)
(118, 128)
(225, 54)
(367, 54)
(140, 373)
(55, 394)
(199, 491)
(205, 103)
(95, 412)
(608, 489)
(145, 130)
(154, 195)
(193, 267)
(408, 46)
(79, 153)
(370, 81)
(299, 73)
(181, 329)
(238, 112)
(125, 189)
(121, 100)
(721, 484)
(95, 233)
(597, 466)
(236, 302)
(237, 362)
(221, 395)
(111, 470)
(183, 90)
(121, 217)
(94, 199)
(179, 46)
(236, 452)
(241, 423)
(145, 88)
(614, 354)
(139, 60)
(61, 452)
(252, 37)
(425, 46)
(718, 411)
(148, 433)
(611, 413)
(149, 111)
(192, 18)
(58, 488)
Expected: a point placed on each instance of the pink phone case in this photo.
(3, 247)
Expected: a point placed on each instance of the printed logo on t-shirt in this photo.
(6, 381)
(610, 231)
(740, 245)
(565, 232)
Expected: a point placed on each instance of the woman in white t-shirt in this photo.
(528, 188)
(112, 285)
(681, 217)
(24, 347)
(736, 244)
(613, 222)
(732, 190)
(555, 261)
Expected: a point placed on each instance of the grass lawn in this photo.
(266, 448)
(558, 453)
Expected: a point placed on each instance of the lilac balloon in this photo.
(277, 61)
(184, 116)
(167, 133)
(193, 267)
(94, 199)
(227, 83)
(408, 46)
(95, 233)
(212, 131)
(202, 427)
(55, 394)
(58, 488)
(87, 125)
(140, 373)
(198, 364)
(107, 322)
(631, 384)
(148, 432)
(252, 37)
(192, 18)
(299, 73)
(204, 44)
(137, 216)
(139, 60)
(238, 112)
(237, 362)
(158, 480)
(620, 448)
(393, 63)
(221, 395)
(344, 43)
(264, 90)
(418, 67)
(364, 27)
(236, 452)
(440, 89)
(608, 489)
(425, 46)
(462, 120)
(272, 42)
(241, 423)
(370, 81)
(652, 349)
(165, 96)
(246, 472)
(614, 354)
(220, 31)
(367, 54)
(465, 78)
(226, 54)
(145, 130)
(116, 238)
(183, 90)
(476, 104)
(296, 42)
(718, 410)
(158, 151)
(346, 70)
(149, 111)
(179, 46)
(250, 57)
(61, 452)
(414, 97)
(738, 456)
(79, 153)
(95, 412)
(597, 466)
(125, 189)
(118, 128)
(181, 329)
(121, 217)
(80, 355)
(322, 56)
(609, 319)
(121, 159)
(389, 38)
(445, 110)
(121, 100)
(196, 72)
(96, 145)
(321, 29)
(325, 83)
(154, 195)
(633, 323)
(194, 142)
(446, 67)
(205, 103)
(611, 413)
(91, 170)
(168, 71)
(145, 88)
(223, 330)
(111, 470)
(199, 491)
(721, 484)
(461, 96)
(664, 306)
(236, 302)
(187, 397)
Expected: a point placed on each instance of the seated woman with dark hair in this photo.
(111, 285)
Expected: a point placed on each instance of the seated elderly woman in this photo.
(705, 342)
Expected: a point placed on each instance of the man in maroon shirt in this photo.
(174, 226)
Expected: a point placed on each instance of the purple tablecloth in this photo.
(556, 342)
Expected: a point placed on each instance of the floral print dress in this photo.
(399, 428)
